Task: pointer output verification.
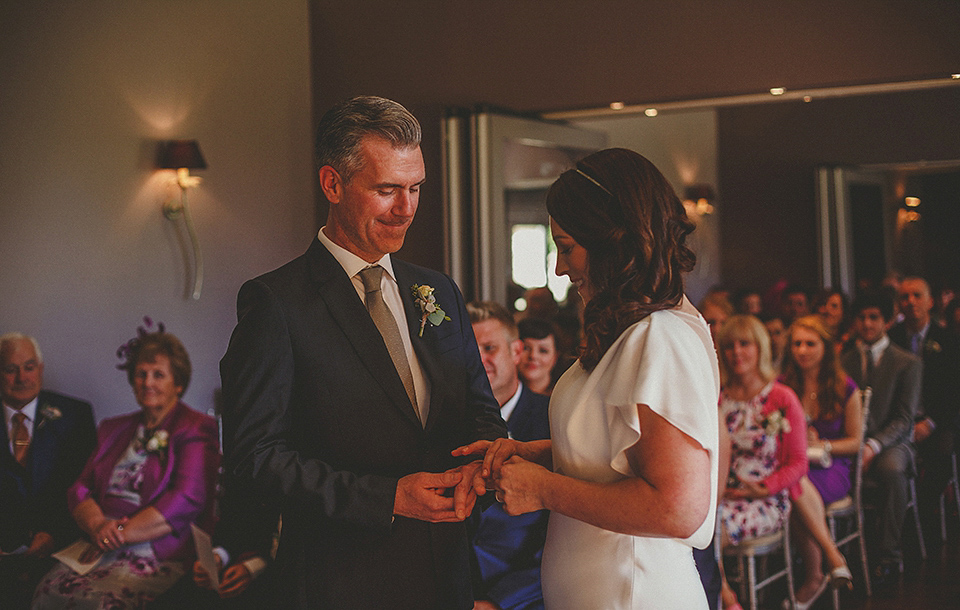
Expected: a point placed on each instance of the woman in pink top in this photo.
(767, 431)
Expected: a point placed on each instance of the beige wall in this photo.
(86, 89)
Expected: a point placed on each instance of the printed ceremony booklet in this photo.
(71, 555)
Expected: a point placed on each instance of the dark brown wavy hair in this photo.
(831, 380)
(621, 209)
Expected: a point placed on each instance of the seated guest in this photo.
(831, 402)
(46, 440)
(894, 375)
(153, 473)
(831, 305)
(777, 331)
(244, 548)
(540, 365)
(508, 549)
(767, 435)
(748, 301)
(935, 431)
(794, 303)
(715, 309)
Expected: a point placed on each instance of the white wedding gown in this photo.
(666, 361)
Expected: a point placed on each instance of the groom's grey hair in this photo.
(344, 126)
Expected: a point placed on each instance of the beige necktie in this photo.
(21, 439)
(387, 325)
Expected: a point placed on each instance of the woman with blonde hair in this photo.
(834, 411)
(765, 423)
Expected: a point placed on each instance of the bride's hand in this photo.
(495, 454)
(519, 486)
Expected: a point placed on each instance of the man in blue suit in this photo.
(44, 444)
(508, 549)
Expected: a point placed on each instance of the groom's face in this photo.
(373, 211)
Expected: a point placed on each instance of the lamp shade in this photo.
(174, 154)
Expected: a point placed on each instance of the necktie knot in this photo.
(371, 278)
(21, 438)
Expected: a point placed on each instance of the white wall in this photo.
(683, 146)
(86, 90)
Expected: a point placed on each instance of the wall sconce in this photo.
(696, 200)
(911, 211)
(184, 155)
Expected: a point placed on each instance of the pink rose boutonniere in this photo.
(429, 310)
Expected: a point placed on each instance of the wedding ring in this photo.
(119, 527)
(105, 541)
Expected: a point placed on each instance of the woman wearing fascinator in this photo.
(152, 475)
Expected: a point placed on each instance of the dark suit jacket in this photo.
(315, 411)
(180, 482)
(941, 372)
(896, 393)
(508, 549)
(34, 498)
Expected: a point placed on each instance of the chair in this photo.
(748, 551)
(851, 507)
(956, 491)
(914, 506)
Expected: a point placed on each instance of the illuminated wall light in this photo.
(617, 106)
(650, 112)
(807, 98)
(912, 202)
(955, 76)
(777, 91)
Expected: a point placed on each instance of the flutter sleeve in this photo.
(666, 362)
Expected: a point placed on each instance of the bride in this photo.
(631, 473)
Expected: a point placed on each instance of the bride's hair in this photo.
(621, 209)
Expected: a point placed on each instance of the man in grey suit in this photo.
(894, 375)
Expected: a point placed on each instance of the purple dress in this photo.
(833, 482)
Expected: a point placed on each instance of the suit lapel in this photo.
(426, 353)
(346, 309)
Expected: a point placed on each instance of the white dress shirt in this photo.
(352, 265)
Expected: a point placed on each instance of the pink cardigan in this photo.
(792, 448)
(181, 487)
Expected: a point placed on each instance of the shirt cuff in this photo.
(255, 565)
(222, 553)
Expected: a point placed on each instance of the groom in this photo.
(344, 391)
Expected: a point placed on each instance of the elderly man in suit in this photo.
(508, 549)
(349, 379)
(935, 430)
(45, 442)
(894, 375)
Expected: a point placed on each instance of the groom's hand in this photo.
(426, 496)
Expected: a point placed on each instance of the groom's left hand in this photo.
(465, 494)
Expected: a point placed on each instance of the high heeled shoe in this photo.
(816, 595)
(841, 577)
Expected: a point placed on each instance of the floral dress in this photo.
(755, 433)
(124, 578)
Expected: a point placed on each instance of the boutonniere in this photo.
(933, 346)
(157, 443)
(775, 422)
(49, 413)
(429, 310)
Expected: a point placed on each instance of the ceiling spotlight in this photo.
(617, 106)
(912, 201)
(955, 76)
(807, 98)
(650, 112)
(778, 91)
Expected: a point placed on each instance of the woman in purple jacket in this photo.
(152, 475)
